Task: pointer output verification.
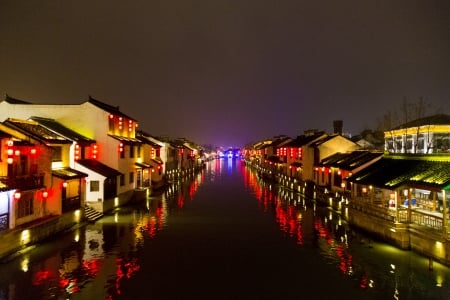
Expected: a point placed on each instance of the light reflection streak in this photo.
(289, 209)
(69, 271)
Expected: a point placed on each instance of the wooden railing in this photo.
(419, 216)
(423, 218)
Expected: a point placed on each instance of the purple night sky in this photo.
(228, 72)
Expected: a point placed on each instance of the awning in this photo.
(68, 173)
(126, 140)
(143, 165)
(99, 168)
(157, 160)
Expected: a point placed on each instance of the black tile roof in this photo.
(68, 173)
(99, 167)
(108, 108)
(68, 133)
(439, 119)
(144, 138)
(303, 140)
(143, 165)
(4, 134)
(279, 140)
(126, 140)
(36, 131)
(14, 100)
(350, 160)
(392, 173)
(157, 160)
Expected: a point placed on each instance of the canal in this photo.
(221, 234)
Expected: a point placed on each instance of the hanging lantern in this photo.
(95, 151)
(17, 195)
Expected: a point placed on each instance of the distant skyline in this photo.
(230, 72)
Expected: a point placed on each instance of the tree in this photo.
(402, 118)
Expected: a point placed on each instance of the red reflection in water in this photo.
(192, 189)
(63, 282)
(345, 259)
(152, 228)
(286, 216)
(125, 269)
(72, 286)
(41, 276)
(364, 281)
(72, 273)
(290, 221)
(180, 201)
(345, 264)
(91, 267)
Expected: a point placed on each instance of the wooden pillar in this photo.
(409, 205)
(444, 215)
(434, 200)
(397, 205)
(371, 193)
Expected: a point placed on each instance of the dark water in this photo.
(221, 234)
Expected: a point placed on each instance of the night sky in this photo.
(229, 72)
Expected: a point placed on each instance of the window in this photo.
(122, 180)
(111, 124)
(23, 165)
(25, 205)
(131, 179)
(57, 153)
(122, 152)
(94, 185)
(131, 151)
